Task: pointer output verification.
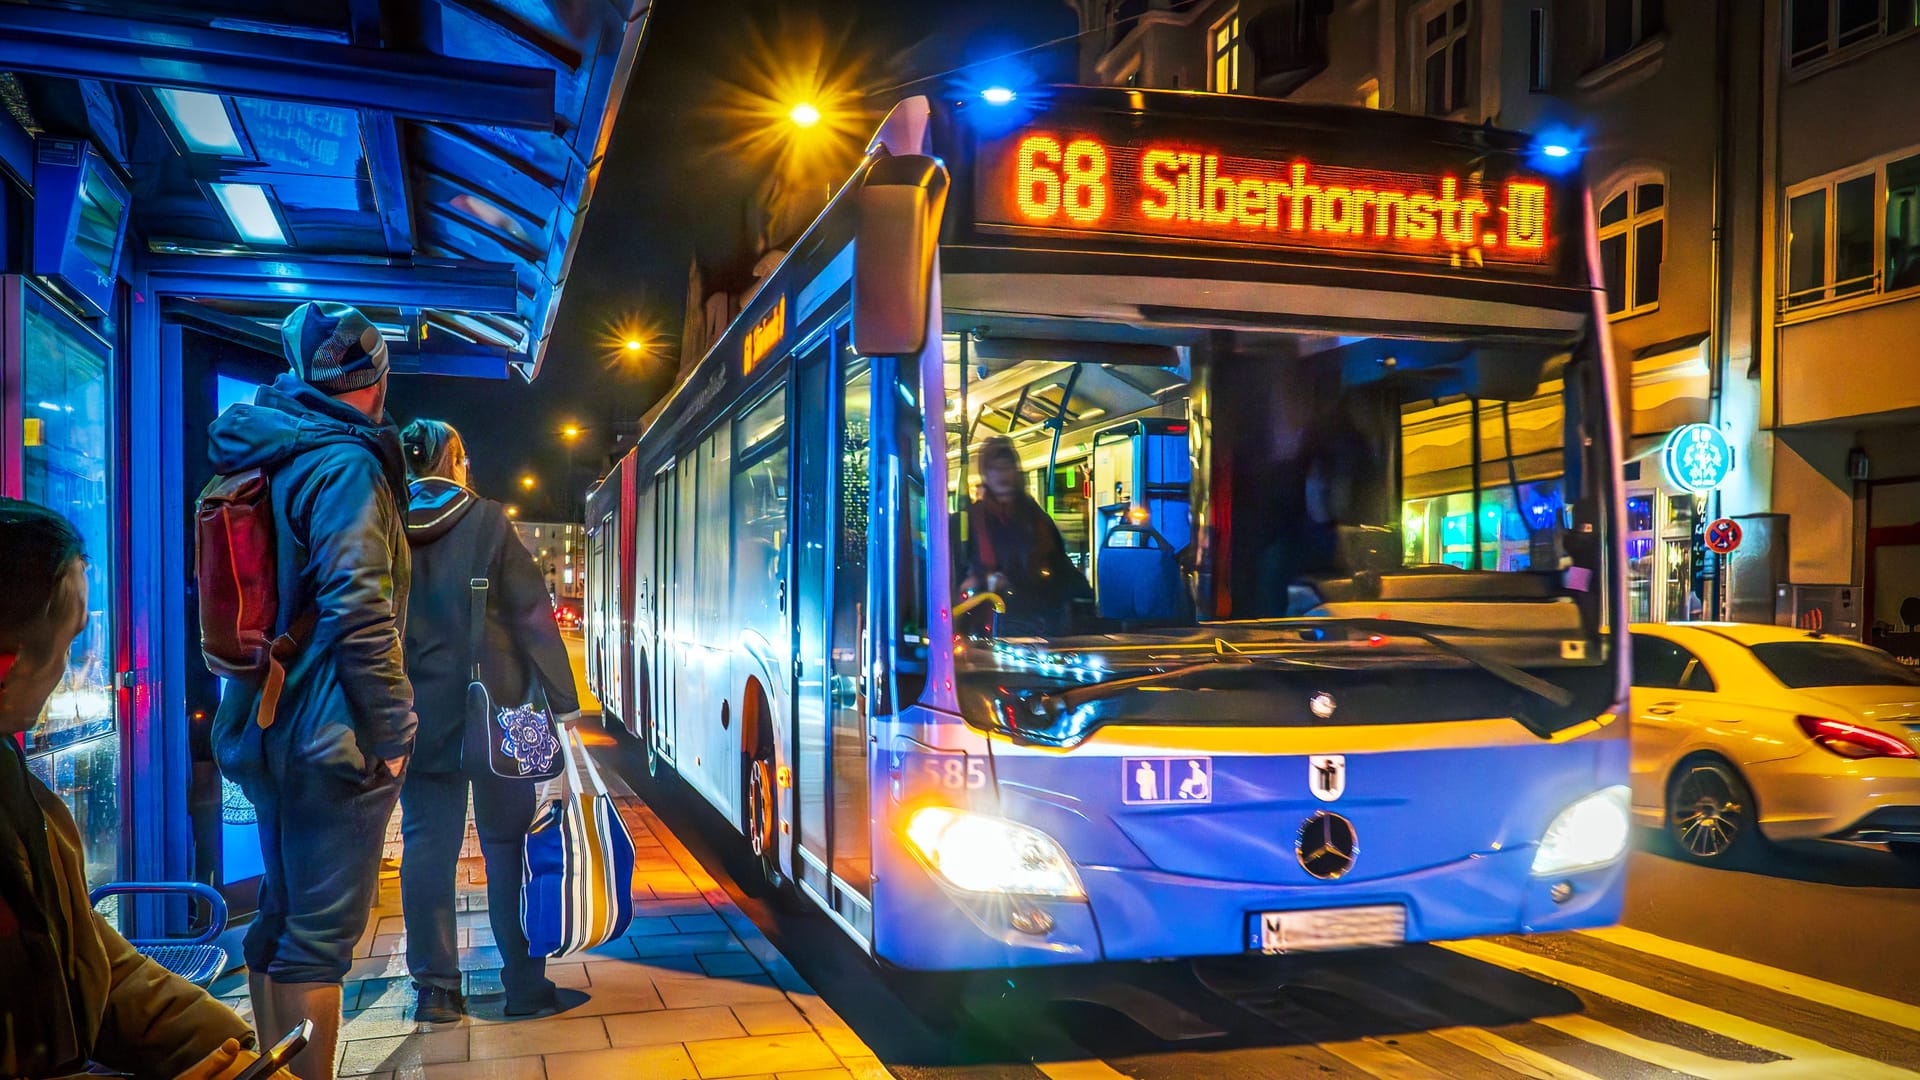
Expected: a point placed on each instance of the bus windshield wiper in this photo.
(1560, 696)
(1225, 655)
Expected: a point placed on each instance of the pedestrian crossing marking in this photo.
(1088, 1069)
(1806, 987)
(1510, 1055)
(1751, 1032)
(1651, 1051)
(1377, 1059)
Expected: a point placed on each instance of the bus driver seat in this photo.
(1138, 579)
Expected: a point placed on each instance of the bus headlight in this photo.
(984, 854)
(1591, 832)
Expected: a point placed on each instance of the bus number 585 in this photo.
(1053, 180)
(956, 773)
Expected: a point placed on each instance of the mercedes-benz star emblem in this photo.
(1327, 845)
(1322, 705)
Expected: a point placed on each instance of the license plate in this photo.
(1329, 928)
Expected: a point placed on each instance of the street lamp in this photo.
(634, 344)
(527, 481)
(806, 114)
(571, 434)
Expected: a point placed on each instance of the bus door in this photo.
(664, 677)
(831, 438)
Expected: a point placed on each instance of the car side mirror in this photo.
(900, 204)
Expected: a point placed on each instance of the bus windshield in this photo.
(1230, 489)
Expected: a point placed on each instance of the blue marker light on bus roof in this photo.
(1556, 149)
(998, 95)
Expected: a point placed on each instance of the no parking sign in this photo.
(1723, 535)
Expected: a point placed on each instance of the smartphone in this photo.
(276, 1059)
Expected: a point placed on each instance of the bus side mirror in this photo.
(900, 203)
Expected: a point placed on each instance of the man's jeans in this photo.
(433, 823)
(320, 842)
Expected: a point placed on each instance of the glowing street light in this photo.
(527, 482)
(634, 344)
(570, 432)
(513, 511)
(805, 114)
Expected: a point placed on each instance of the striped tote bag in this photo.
(577, 886)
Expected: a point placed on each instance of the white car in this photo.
(1745, 733)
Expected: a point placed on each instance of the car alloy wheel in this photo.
(1709, 810)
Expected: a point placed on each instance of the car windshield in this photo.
(1803, 664)
(1138, 486)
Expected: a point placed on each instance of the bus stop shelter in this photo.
(174, 178)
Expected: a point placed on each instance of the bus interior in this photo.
(1339, 475)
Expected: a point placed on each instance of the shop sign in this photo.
(1697, 458)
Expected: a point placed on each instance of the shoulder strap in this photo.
(477, 589)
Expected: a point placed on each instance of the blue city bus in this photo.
(1330, 649)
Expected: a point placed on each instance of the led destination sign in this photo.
(1079, 182)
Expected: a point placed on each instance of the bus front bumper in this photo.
(1145, 914)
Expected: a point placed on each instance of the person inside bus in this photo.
(1330, 473)
(458, 536)
(1014, 549)
(75, 993)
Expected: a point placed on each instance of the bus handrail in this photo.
(977, 599)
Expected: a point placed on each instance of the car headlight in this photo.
(984, 854)
(1591, 832)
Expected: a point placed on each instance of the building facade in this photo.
(559, 550)
(1753, 176)
(1842, 363)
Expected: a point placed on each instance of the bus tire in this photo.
(761, 825)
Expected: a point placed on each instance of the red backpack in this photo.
(239, 586)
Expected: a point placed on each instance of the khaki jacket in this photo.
(136, 1017)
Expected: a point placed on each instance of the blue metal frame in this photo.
(80, 45)
(466, 286)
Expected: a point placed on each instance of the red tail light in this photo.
(1852, 740)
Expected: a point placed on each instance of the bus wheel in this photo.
(762, 830)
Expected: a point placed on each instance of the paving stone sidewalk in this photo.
(693, 991)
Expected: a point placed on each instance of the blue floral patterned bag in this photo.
(523, 742)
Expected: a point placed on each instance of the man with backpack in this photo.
(310, 503)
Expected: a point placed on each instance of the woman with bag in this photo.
(480, 621)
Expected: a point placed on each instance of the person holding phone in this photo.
(75, 993)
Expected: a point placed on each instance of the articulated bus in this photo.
(1320, 403)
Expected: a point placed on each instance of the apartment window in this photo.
(1854, 233)
(1903, 223)
(1630, 22)
(1223, 50)
(1820, 28)
(1539, 51)
(1444, 36)
(1830, 239)
(1633, 243)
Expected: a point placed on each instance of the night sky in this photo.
(677, 180)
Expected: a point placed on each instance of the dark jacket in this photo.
(1017, 538)
(457, 536)
(339, 483)
(74, 989)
